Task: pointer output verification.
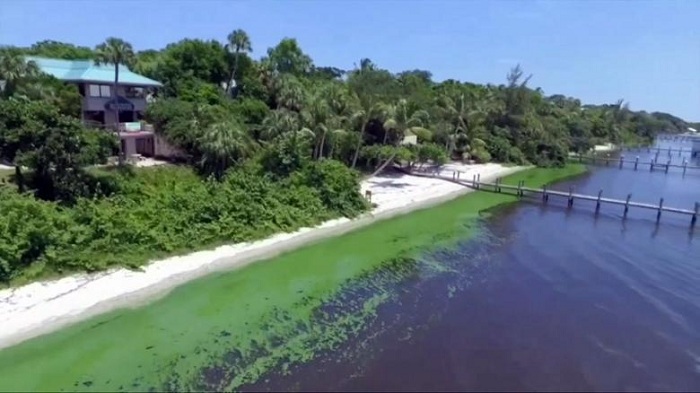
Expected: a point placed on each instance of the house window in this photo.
(100, 91)
(134, 92)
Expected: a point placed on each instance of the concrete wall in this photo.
(129, 146)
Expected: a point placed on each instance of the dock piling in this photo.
(622, 160)
(636, 162)
(545, 196)
(694, 218)
(627, 205)
(661, 206)
(571, 196)
(668, 165)
(597, 204)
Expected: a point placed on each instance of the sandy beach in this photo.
(43, 307)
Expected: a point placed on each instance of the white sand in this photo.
(42, 307)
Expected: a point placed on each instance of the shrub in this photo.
(155, 212)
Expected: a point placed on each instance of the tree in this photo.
(190, 60)
(54, 146)
(60, 50)
(14, 70)
(238, 42)
(224, 144)
(117, 52)
(287, 57)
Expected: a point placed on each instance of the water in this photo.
(530, 298)
(564, 300)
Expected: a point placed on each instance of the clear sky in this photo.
(647, 52)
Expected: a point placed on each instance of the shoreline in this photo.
(40, 308)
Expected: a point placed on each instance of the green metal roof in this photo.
(88, 71)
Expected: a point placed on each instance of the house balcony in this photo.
(135, 127)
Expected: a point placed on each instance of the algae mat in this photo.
(226, 330)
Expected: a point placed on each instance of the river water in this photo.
(526, 297)
(550, 299)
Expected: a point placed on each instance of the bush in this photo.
(431, 152)
(338, 186)
(156, 212)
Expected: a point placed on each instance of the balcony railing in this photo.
(136, 126)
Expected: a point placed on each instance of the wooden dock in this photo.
(622, 162)
(679, 138)
(658, 150)
(545, 193)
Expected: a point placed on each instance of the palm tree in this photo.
(277, 123)
(115, 51)
(223, 145)
(617, 117)
(238, 42)
(316, 117)
(289, 93)
(14, 69)
(401, 119)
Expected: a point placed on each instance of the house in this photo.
(101, 108)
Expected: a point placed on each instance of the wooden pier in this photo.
(652, 164)
(545, 193)
(678, 138)
(658, 150)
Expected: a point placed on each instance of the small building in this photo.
(100, 107)
(409, 138)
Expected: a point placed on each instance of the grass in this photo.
(539, 177)
(226, 330)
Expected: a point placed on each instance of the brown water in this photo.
(548, 299)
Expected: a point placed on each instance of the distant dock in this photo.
(636, 164)
(544, 194)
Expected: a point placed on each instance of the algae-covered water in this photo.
(225, 331)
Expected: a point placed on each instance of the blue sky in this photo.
(647, 52)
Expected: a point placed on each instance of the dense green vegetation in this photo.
(269, 145)
(164, 211)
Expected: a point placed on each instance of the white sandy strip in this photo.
(42, 307)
